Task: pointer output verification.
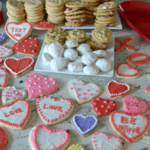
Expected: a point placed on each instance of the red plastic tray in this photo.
(137, 15)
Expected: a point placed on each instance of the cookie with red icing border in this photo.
(148, 114)
(29, 46)
(130, 127)
(124, 70)
(133, 105)
(58, 139)
(3, 78)
(15, 115)
(18, 67)
(3, 139)
(103, 107)
(116, 89)
(60, 109)
(43, 25)
(18, 31)
(123, 44)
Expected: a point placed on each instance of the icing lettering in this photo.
(125, 129)
(58, 108)
(125, 120)
(18, 110)
(18, 29)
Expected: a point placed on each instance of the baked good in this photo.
(89, 58)
(75, 147)
(84, 48)
(4, 139)
(46, 58)
(5, 52)
(70, 54)
(75, 66)
(71, 44)
(4, 78)
(3, 37)
(43, 25)
(100, 53)
(91, 70)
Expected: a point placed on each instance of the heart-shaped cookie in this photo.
(3, 78)
(15, 115)
(103, 108)
(3, 37)
(81, 92)
(37, 85)
(60, 109)
(18, 67)
(132, 105)
(43, 25)
(29, 46)
(75, 147)
(115, 89)
(3, 139)
(18, 31)
(124, 70)
(102, 141)
(84, 125)
(42, 138)
(10, 93)
(129, 126)
(5, 52)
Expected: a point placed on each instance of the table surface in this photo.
(18, 140)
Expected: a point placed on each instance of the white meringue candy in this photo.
(91, 70)
(46, 57)
(71, 54)
(71, 44)
(100, 53)
(75, 67)
(103, 64)
(89, 58)
(84, 48)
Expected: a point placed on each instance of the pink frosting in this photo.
(37, 85)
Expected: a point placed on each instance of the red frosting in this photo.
(1, 62)
(148, 114)
(124, 45)
(3, 139)
(5, 78)
(29, 46)
(147, 89)
(148, 74)
(43, 25)
(103, 108)
(138, 62)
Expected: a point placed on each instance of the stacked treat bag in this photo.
(1, 14)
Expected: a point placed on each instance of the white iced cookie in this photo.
(75, 67)
(89, 58)
(83, 49)
(56, 49)
(46, 48)
(46, 58)
(71, 44)
(100, 53)
(71, 54)
(103, 64)
(91, 70)
(58, 63)
(78, 59)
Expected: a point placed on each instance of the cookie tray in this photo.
(40, 66)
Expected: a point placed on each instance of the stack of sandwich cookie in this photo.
(34, 10)
(15, 11)
(78, 35)
(56, 34)
(75, 14)
(105, 14)
(55, 11)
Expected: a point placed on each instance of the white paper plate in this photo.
(40, 66)
(118, 25)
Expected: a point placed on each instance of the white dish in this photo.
(118, 25)
(40, 66)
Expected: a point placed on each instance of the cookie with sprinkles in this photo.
(5, 52)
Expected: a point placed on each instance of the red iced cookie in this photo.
(43, 25)
(147, 89)
(1, 62)
(103, 108)
(3, 139)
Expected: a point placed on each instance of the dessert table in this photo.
(18, 140)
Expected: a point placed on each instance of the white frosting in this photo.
(10, 93)
(91, 70)
(78, 59)
(88, 58)
(56, 50)
(4, 51)
(84, 48)
(103, 64)
(71, 44)
(17, 118)
(2, 77)
(46, 48)
(75, 67)
(85, 93)
(46, 57)
(100, 53)
(71, 54)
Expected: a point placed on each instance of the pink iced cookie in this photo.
(133, 105)
(37, 85)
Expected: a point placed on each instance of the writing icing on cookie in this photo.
(83, 92)
(3, 78)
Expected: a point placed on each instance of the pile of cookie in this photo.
(75, 14)
(105, 14)
(56, 34)
(55, 11)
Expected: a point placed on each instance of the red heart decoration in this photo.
(29, 46)
(115, 89)
(130, 126)
(103, 108)
(18, 66)
(18, 31)
(3, 139)
(3, 78)
(44, 25)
